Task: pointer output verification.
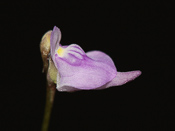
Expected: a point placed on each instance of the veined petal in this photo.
(85, 73)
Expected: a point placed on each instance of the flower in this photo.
(77, 70)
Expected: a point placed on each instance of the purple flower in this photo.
(77, 70)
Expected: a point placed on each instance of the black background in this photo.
(137, 36)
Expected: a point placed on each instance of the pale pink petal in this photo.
(54, 40)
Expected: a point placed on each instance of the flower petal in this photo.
(54, 40)
(122, 78)
(84, 72)
(101, 56)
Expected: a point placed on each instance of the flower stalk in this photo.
(50, 93)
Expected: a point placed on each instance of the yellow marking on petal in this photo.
(60, 51)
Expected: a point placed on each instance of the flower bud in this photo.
(45, 49)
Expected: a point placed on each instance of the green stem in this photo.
(50, 93)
